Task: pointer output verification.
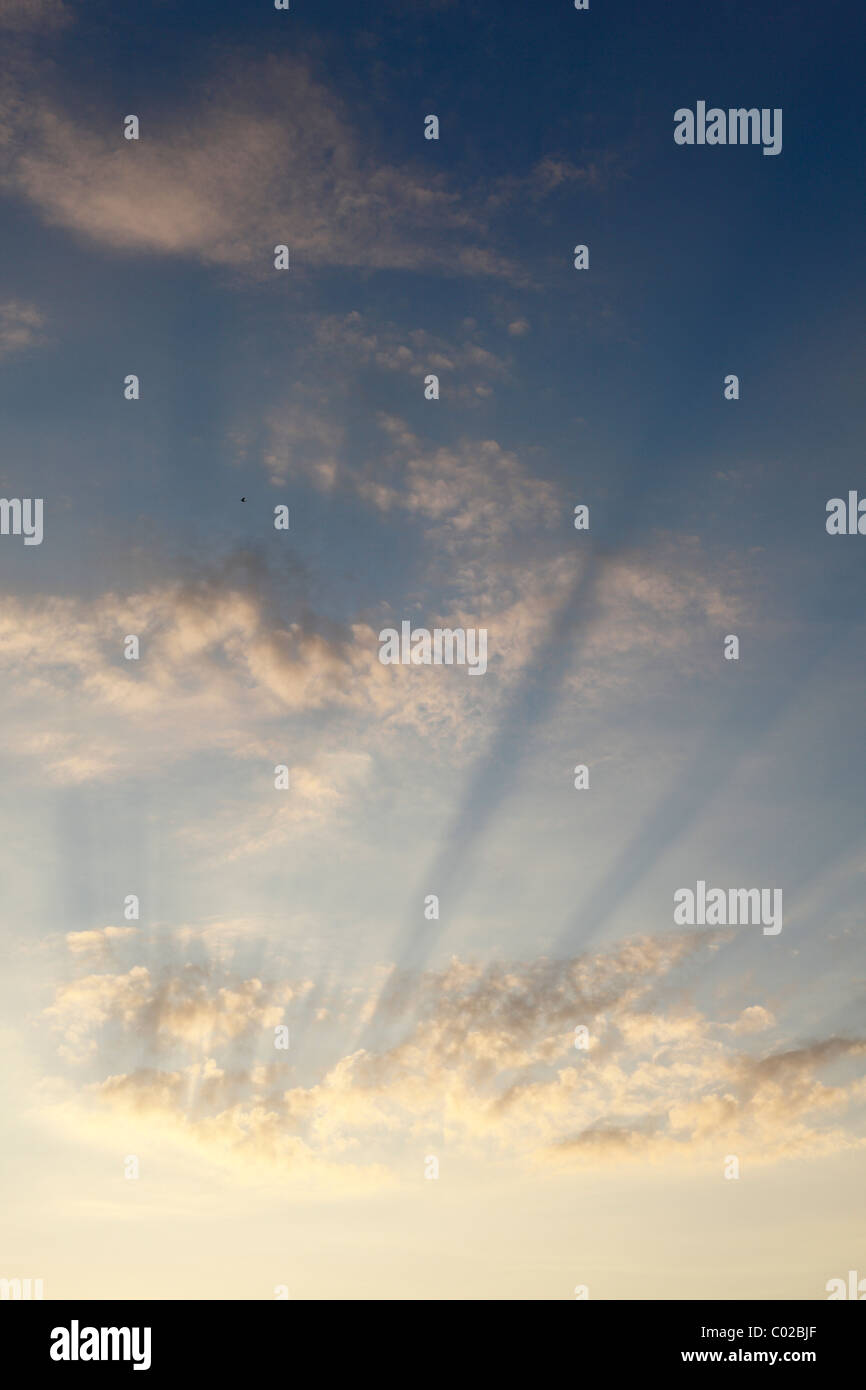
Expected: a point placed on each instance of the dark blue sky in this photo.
(704, 261)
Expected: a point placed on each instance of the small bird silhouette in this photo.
(243, 499)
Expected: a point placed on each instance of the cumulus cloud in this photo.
(169, 1010)
(206, 651)
(219, 671)
(222, 663)
(485, 1053)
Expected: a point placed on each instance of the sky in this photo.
(433, 1130)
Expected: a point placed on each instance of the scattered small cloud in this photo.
(21, 328)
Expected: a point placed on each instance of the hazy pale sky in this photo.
(146, 1044)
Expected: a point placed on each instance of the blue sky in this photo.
(411, 1037)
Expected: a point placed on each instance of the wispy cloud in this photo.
(240, 171)
(21, 327)
(474, 489)
(34, 16)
